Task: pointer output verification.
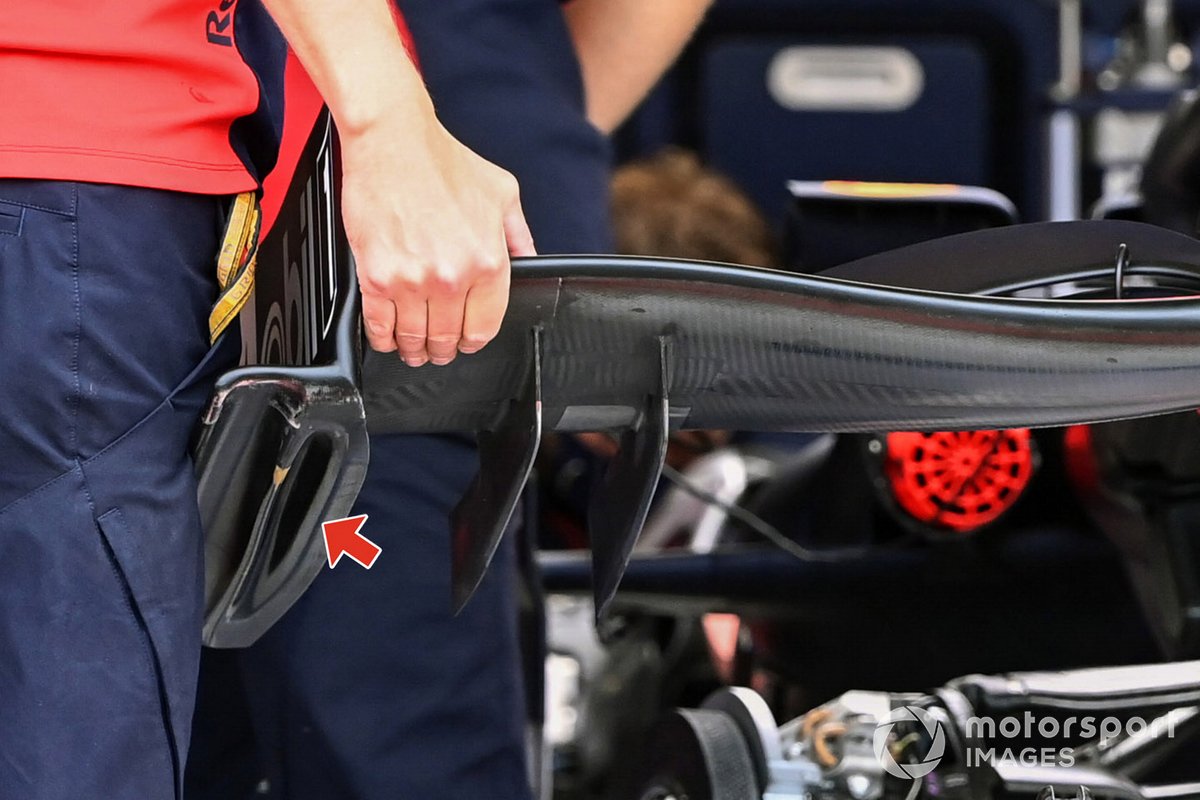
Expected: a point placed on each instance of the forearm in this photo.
(625, 46)
(357, 59)
(431, 224)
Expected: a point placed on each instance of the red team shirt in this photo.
(169, 94)
(140, 93)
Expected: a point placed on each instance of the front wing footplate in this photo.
(283, 444)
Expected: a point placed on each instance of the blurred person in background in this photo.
(672, 206)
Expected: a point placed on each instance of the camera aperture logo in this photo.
(909, 717)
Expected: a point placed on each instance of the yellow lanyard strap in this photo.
(236, 262)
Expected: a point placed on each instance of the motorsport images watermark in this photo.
(993, 734)
(883, 738)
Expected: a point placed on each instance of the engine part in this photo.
(948, 744)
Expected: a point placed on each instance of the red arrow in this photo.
(342, 538)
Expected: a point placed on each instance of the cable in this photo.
(761, 526)
(820, 742)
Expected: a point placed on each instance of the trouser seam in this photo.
(76, 398)
(150, 659)
(37, 490)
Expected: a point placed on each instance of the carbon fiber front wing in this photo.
(646, 346)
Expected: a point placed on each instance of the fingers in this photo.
(438, 322)
(433, 261)
(412, 324)
(487, 300)
(445, 326)
(486, 303)
(379, 321)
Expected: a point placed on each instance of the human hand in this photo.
(432, 226)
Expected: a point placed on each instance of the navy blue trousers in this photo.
(104, 299)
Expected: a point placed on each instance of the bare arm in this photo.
(431, 224)
(625, 46)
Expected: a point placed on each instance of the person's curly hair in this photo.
(671, 205)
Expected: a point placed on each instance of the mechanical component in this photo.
(1048, 793)
(957, 482)
(958, 742)
(1119, 268)
(756, 723)
(696, 755)
(828, 753)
